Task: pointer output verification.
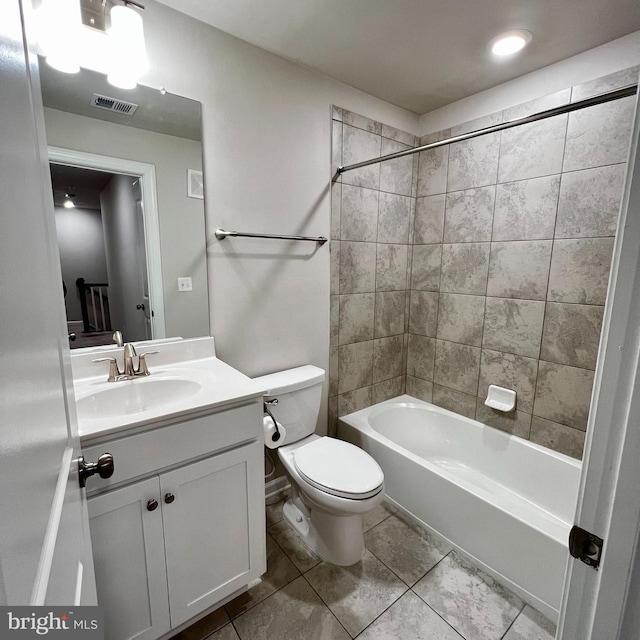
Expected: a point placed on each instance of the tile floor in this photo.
(409, 585)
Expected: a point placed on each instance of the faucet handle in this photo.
(143, 370)
(114, 372)
(117, 338)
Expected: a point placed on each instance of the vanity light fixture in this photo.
(68, 201)
(73, 34)
(509, 43)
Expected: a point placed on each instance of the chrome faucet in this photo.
(130, 371)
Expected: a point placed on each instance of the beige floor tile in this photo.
(280, 571)
(293, 546)
(205, 627)
(357, 595)
(472, 602)
(409, 617)
(531, 625)
(376, 516)
(293, 613)
(408, 550)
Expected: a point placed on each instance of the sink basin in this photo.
(135, 396)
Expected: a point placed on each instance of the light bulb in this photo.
(68, 204)
(60, 34)
(507, 44)
(128, 50)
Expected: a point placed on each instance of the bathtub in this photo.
(504, 502)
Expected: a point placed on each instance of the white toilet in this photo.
(332, 482)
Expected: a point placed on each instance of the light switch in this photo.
(185, 284)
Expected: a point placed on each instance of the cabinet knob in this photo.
(169, 498)
(152, 505)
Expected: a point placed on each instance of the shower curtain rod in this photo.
(542, 115)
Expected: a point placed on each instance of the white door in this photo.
(45, 550)
(602, 604)
(144, 306)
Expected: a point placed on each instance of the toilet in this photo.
(332, 482)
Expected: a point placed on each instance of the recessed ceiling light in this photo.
(506, 44)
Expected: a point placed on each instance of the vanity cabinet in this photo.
(169, 546)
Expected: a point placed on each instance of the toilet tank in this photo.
(299, 392)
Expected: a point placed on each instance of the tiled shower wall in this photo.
(507, 260)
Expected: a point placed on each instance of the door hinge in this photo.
(585, 546)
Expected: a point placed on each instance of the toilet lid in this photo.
(339, 468)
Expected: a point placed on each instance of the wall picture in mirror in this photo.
(133, 152)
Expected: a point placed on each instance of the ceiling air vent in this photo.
(111, 104)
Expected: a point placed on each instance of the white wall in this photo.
(611, 57)
(81, 243)
(267, 137)
(181, 218)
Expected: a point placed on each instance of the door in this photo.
(600, 605)
(212, 542)
(144, 306)
(45, 550)
(130, 573)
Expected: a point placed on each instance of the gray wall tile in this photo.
(425, 267)
(391, 267)
(563, 394)
(334, 266)
(571, 334)
(477, 123)
(473, 163)
(361, 122)
(599, 135)
(429, 219)
(336, 208)
(469, 215)
(464, 268)
(355, 400)
(421, 357)
(457, 366)
(399, 136)
(387, 389)
(421, 389)
(359, 214)
(513, 326)
(519, 269)
(432, 171)
(558, 437)
(389, 313)
(549, 101)
(355, 366)
(590, 202)
(423, 313)
(393, 218)
(359, 145)
(356, 317)
(580, 270)
(461, 318)
(512, 372)
(357, 267)
(387, 358)
(333, 371)
(334, 314)
(453, 400)
(395, 175)
(526, 210)
(607, 83)
(532, 150)
(518, 423)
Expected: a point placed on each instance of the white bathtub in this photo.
(503, 501)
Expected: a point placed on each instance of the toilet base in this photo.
(336, 539)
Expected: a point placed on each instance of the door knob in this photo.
(169, 498)
(152, 504)
(140, 307)
(104, 468)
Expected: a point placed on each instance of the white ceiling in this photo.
(417, 54)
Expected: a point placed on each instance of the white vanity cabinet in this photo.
(179, 527)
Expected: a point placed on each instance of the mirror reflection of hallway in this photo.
(100, 228)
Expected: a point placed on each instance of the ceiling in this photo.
(417, 54)
(83, 185)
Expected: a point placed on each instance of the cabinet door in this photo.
(214, 529)
(128, 553)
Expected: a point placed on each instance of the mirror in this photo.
(130, 162)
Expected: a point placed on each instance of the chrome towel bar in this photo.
(221, 234)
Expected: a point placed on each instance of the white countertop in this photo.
(105, 408)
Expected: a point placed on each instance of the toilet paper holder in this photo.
(266, 405)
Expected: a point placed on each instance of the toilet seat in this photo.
(338, 468)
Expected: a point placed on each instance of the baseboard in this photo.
(274, 488)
